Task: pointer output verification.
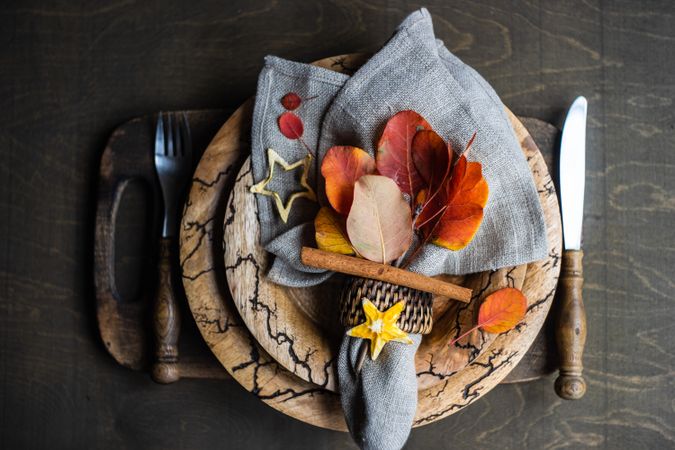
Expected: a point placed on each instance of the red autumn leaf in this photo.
(394, 151)
(291, 125)
(501, 311)
(291, 101)
(342, 167)
(432, 158)
(453, 217)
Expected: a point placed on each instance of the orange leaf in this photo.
(379, 224)
(330, 232)
(432, 158)
(291, 125)
(465, 197)
(394, 151)
(502, 310)
(342, 167)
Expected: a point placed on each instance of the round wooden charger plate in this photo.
(299, 327)
(254, 368)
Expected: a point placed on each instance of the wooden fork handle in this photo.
(571, 327)
(166, 321)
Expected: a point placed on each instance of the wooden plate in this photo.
(299, 328)
(247, 361)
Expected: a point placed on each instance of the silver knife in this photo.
(571, 321)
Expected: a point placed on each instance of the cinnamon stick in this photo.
(367, 269)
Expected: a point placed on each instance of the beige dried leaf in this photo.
(379, 224)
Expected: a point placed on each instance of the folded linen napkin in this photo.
(380, 402)
(412, 71)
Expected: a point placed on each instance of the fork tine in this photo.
(187, 137)
(159, 136)
(170, 148)
(177, 137)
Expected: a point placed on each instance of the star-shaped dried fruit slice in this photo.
(380, 327)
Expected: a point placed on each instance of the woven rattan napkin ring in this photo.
(416, 318)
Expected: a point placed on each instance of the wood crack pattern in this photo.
(280, 337)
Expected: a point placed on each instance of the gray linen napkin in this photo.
(277, 78)
(380, 402)
(412, 71)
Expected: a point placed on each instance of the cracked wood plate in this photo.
(299, 327)
(248, 362)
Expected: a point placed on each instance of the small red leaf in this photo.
(291, 101)
(291, 125)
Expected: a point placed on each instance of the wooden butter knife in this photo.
(571, 317)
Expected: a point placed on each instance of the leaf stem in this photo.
(309, 150)
(464, 335)
(468, 145)
(440, 211)
(424, 242)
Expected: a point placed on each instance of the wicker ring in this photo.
(416, 318)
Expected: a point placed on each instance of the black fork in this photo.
(173, 163)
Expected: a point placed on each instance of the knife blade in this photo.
(571, 322)
(573, 173)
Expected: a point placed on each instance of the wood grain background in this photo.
(70, 71)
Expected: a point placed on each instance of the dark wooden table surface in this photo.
(71, 71)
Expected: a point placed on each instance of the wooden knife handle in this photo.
(571, 327)
(166, 321)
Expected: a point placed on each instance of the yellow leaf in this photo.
(329, 233)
